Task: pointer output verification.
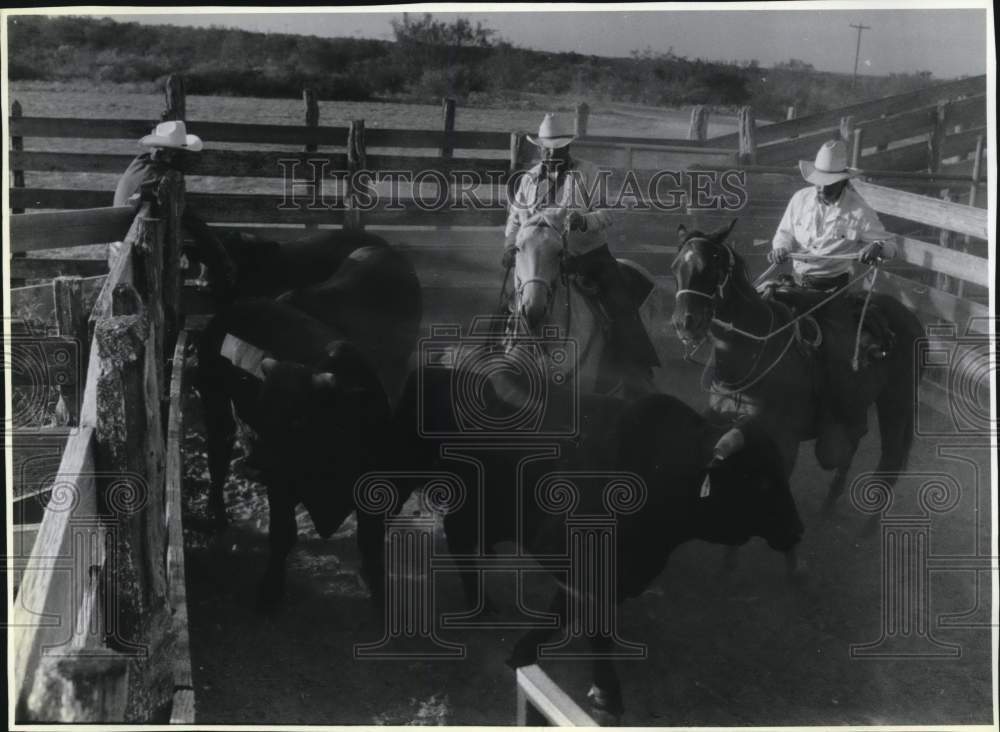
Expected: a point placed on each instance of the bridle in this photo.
(550, 289)
(720, 288)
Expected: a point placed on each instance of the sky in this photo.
(948, 42)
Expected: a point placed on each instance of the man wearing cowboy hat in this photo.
(567, 189)
(168, 143)
(832, 221)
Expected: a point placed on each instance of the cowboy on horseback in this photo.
(564, 188)
(825, 228)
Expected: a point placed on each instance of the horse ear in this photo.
(722, 233)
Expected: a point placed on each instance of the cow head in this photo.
(749, 496)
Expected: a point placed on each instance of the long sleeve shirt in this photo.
(841, 228)
(580, 189)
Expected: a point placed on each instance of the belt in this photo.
(812, 282)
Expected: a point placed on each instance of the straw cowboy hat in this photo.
(553, 133)
(830, 165)
(172, 134)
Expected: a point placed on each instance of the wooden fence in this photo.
(99, 620)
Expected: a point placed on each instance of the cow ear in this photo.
(325, 381)
(267, 366)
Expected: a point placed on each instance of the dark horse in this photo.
(776, 380)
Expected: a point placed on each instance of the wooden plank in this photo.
(183, 710)
(862, 111)
(131, 129)
(800, 148)
(36, 268)
(910, 157)
(492, 170)
(542, 693)
(434, 139)
(962, 142)
(16, 145)
(173, 90)
(925, 210)
(65, 198)
(177, 596)
(264, 208)
(31, 231)
(46, 604)
(917, 122)
(933, 305)
(71, 322)
(968, 112)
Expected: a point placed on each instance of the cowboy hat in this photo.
(830, 165)
(172, 134)
(553, 133)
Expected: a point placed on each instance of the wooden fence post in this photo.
(582, 118)
(71, 322)
(790, 113)
(81, 688)
(847, 134)
(936, 137)
(698, 128)
(173, 91)
(130, 451)
(977, 164)
(447, 140)
(147, 257)
(312, 120)
(16, 145)
(356, 161)
(748, 136)
(946, 239)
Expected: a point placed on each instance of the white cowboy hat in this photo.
(553, 133)
(830, 165)
(172, 134)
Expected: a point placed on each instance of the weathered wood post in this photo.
(81, 688)
(698, 129)
(357, 160)
(977, 164)
(518, 141)
(173, 91)
(71, 322)
(582, 119)
(937, 137)
(129, 451)
(16, 145)
(847, 134)
(447, 139)
(147, 258)
(856, 147)
(312, 120)
(791, 112)
(170, 210)
(946, 239)
(748, 136)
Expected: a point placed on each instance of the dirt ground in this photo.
(741, 649)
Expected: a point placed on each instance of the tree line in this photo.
(428, 59)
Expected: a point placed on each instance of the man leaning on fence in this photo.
(569, 187)
(825, 229)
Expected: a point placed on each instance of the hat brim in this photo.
(191, 142)
(551, 142)
(822, 177)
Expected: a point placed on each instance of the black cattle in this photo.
(314, 413)
(241, 264)
(658, 438)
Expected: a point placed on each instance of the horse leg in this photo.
(526, 649)
(282, 535)
(220, 429)
(371, 545)
(835, 450)
(605, 695)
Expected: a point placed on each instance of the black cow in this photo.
(241, 264)
(315, 414)
(658, 438)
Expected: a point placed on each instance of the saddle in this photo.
(877, 337)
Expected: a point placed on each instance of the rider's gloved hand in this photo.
(777, 256)
(871, 253)
(576, 221)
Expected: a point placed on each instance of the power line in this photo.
(857, 52)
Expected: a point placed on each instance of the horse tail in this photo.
(897, 403)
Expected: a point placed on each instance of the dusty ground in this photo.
(742, 650)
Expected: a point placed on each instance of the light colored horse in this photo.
(549, 298)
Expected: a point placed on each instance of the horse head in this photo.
(540, 248)
(703, 268)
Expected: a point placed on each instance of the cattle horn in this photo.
(267, 365)
(325, 380)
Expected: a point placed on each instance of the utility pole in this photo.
(857, 52)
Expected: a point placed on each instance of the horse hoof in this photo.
(606, 702)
